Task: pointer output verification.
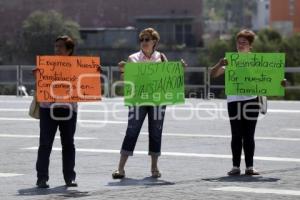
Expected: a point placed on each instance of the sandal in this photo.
(155, 173)
(117, 175)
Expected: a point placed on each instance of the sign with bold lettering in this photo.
(254, 74)
(160, 83)
(68, 79)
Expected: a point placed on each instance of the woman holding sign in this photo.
(64, 117)
(243, 112)
(148, 42)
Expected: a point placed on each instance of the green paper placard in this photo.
(254, 74)
(154, 84)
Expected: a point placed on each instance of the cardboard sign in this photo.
(160, 83)
(254, 74)
(68, 79)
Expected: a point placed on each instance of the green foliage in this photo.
(8, 89)
(291, 46)
(40, 30)
(267, 40)
(7, 50)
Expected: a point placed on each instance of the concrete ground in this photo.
(196, 154)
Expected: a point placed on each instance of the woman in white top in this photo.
(148, 42)
(243, 112)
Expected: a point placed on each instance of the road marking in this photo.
(82, 121)
(13, 109)
(82, 111)
(37, 136)
(221, 136)
(292, 129)
(9, 175)
(283, 111)
(168, 109)
(15, 101)
(259, 190)
(178, 154)
(28, 101)
(101, 111)
(224, 109)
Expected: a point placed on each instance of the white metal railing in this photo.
(21, 75)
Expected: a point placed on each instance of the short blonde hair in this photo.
(151, 32)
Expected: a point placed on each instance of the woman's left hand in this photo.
(284, 83)
(184, 64)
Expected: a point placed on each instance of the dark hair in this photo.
(69, 43)
(247, 34)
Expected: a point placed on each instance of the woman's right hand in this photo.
(34, 71)
(222, 62)
(217, 70)
(122, 66)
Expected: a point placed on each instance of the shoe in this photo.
(235, 171)
(251, 172)
(155, 173)
(42, 183)
(118, 175)
(71, 183)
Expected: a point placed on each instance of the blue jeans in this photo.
(136, 117)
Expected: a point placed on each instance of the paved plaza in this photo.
(196, 154)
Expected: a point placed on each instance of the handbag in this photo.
(34, 109)
(263, 104)
(163, 57)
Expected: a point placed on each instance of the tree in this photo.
(268, 40)
(291, 46)
(40, 29)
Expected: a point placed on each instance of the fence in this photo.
(198, 84)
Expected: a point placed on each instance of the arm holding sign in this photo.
(34, 71)
(122, 66)
(218, 69)
(99, 69)
(184, 64)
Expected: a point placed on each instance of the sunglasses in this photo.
(145, 39)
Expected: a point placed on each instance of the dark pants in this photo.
(48, 128)
(136, 118)
(243, 117)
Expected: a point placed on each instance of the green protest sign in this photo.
(254, 74)
(159, 83)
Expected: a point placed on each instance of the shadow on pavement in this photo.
(241, 178)
(148, 181)
(60, 190)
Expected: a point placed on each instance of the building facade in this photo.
(285, 16)
(262, 18)
(179, 22)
